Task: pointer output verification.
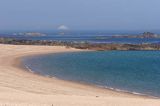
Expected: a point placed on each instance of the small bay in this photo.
(128, 71)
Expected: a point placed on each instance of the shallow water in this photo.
(131, 71)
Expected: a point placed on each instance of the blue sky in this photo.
(80, 14)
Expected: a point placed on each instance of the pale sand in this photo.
(21, 88)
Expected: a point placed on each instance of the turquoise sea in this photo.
(136, 72)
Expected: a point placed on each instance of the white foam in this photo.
(130, 92)
(29, 69)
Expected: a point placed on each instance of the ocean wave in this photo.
(126, 91)
(29, 69)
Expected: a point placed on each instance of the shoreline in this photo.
(132, 94)
(24, 68)
(16, 83)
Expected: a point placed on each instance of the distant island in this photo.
(144, 35)
(34, 34)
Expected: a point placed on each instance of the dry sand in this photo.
(22, 88)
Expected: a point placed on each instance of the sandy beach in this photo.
(19, 87)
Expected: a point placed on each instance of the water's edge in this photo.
(26, 68)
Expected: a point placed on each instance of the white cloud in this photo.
(63, 27)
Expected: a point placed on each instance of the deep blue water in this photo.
(88, 38)
(133, 71)
(92, 36)
(95, 39)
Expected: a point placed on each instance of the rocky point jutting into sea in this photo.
(89, 45)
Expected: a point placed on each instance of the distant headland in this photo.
(88, 45)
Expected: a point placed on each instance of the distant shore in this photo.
(84, 44)
(18, 86)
